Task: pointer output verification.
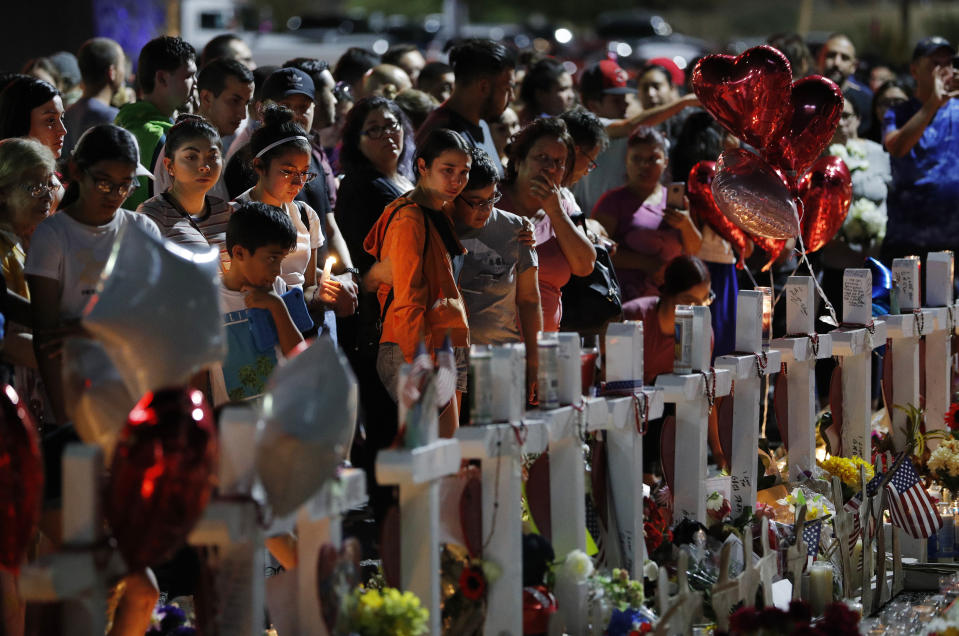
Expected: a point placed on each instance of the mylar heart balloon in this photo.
(701, 203)
(97, 399)
(308, 417)
(157, 311)
(772, 247)
(808, 124)
(754, 195)
(21, 479)
(746, 94)
(826, 192)
(162, 475)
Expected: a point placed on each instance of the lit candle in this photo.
(327, 269)
(767, 311)
(820, 586)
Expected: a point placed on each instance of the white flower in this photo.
(714, 501)
(650, 570)
(578, 566)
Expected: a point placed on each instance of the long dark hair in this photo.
(438, 141)
(18, 99)
(105, 142)
(352, 158)
(683, 273)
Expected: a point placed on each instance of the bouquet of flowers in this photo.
(866, 223)
(943, 464)
(386, 612)
(655, 526)
(847, 470)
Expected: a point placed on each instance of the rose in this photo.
(577, 566)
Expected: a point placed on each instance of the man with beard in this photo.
(484, 87)
(166, 75)
(837, 61)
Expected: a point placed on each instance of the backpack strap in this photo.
(426, 241)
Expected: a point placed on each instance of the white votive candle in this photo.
(820, 586)
(328, 269)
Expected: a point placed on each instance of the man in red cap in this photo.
(603, 88)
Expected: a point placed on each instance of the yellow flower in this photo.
(847, 469)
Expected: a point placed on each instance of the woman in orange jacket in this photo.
(415, 235)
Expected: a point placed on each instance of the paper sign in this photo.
(857, 297)
(905, 283)
(800, 306)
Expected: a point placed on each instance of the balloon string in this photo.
(750, 274)
(804, 257)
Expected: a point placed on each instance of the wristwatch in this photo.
(354, 271)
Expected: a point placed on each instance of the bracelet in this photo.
(353, 270)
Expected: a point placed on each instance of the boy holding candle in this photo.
(258, 237)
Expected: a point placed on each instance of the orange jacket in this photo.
(426, 300)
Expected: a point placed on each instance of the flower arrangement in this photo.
(847, 469)
(577, 567)
(717, 508)
(386, 612)
(817, 506)
(655, 526)
(943, 464)
(837, 620)
(618, 589)
(865, 223)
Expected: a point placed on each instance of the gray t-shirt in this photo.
(493, 261)
(84, 114)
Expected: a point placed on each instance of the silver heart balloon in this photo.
(754, 195)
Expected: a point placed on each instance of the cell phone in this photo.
(676, 195)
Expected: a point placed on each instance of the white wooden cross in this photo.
(499, 447)
(231, 524)
(854, 344)
(800, 349)
(77, 576)
(624, 448)
(748, 367)
(692, 394)
(939, 298)
(677, 613)
(417, 472)
(624, 442)
(758, 572)
(904, 330)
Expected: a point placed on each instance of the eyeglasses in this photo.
(592, 162)
(550, 163)
(686, 300)
(304, 177)
(377, 132)
(847, 116)
(123, 190)
(482, 205)
(40, 190)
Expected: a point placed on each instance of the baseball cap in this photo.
(675, 73)
(606, 77)
(931, 44)
(288, 81)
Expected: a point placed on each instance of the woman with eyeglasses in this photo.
(649, 234)
(542, 155)
(376, 156)
(281, 159)
(186, 213)
(686, 281)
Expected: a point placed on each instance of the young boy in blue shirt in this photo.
(258, 238)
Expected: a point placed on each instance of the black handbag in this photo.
(591, 302)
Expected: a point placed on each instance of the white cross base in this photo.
(417, 472)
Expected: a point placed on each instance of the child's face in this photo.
(196, 165)
(284, 177)
(260, 268)
(104, 186)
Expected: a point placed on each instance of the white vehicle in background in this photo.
(202, 20)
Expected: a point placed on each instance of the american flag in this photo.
(811, 533)
(910, 506)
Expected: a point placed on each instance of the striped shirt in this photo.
(195, 232)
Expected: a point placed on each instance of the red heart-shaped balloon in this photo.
(754, 195)
(746, 94)
(808, 124)
(701, 204)
(21, 479)
(772, 247)
(162, 474)
(826, 192)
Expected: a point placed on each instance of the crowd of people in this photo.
(459, 197)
